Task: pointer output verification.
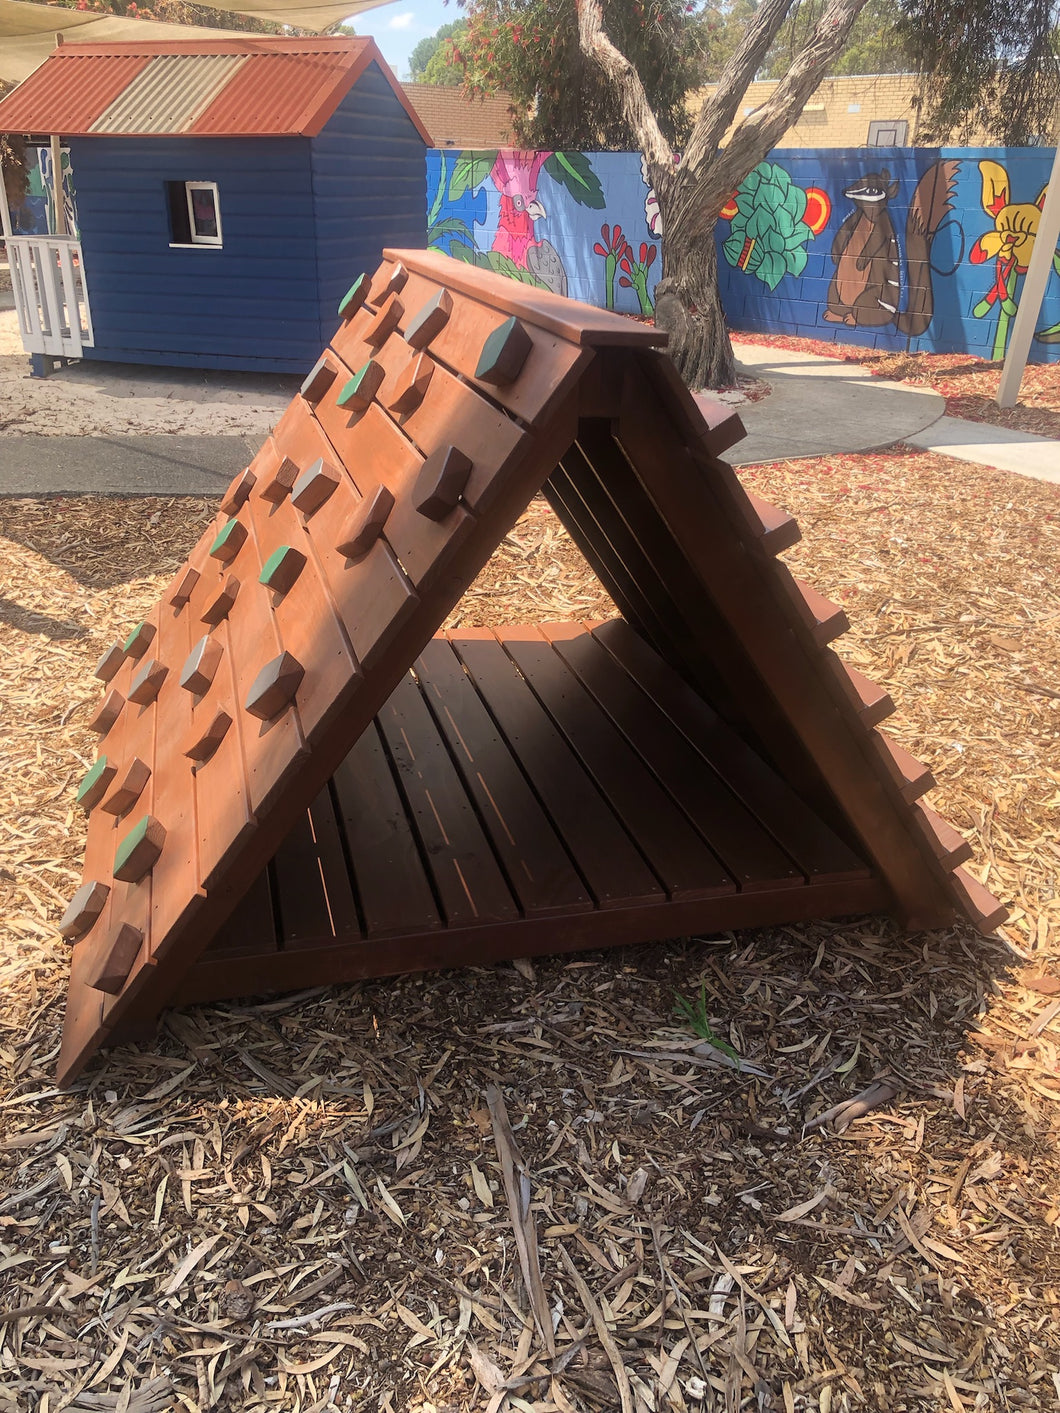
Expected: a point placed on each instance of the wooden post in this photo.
(1033, 291)
(57, 185)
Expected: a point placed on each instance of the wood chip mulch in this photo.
(534, 1187)
(968, 384)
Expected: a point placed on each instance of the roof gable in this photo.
(242, 86)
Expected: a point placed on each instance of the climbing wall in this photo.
(282, 650)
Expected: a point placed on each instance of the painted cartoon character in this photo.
(515, 175)
(866, 289)
(1009, 245)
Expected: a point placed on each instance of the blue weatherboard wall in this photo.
(253, 303)
(775, 271)
(368, 187)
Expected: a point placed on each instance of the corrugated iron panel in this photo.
(68, 92)
(273, 93)
(169, 94)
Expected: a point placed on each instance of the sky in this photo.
(397, 28)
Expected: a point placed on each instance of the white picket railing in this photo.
(48, 277)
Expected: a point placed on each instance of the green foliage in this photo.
(529, 49)
(873, 46)
(696, 1016)
(434, 59)
(469, 171)
(768, 233)
(987, 66)
(573, 170)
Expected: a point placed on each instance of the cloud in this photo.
(402, 21)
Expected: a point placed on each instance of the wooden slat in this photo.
(824, 619)
(252, 930)
(776, 529)
(949, 847)
(606, 857)
(912, 777)
(538, 867)
(678, 855)
(301, 899)
(979, 903)
(724, 427)
(467, 877)
(871, 702)
(392, 884)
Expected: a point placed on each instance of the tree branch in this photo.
(747, 58)
(598, 47)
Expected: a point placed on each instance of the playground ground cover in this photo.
(299, 1203)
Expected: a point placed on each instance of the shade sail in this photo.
(27, 31)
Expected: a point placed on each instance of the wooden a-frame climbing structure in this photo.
(298, 782)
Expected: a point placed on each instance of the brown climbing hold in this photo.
(222, 603)
(107, 712)
(109, 663)
(139, 851)
(390, 281)
(319, 379)
(128, 788)
(229, 542)
(139, 640)
(85, 906)
(430, 320)
(366, 523)
(282, 568)
(442, 478)
(112, 969)
(204, 745)
(275, 686)
(96, 784)
(145, 685)
(385, 321)
(238, 491)
(184, 587)
(201, 666)
(504, 353)
(412, 385)
(280, 482)
(314, 486)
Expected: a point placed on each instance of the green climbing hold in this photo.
(354, 297)
(94, 776)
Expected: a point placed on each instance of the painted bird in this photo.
(515, 175)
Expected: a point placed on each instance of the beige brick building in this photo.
(856, 110)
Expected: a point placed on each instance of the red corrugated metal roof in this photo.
(283, 88)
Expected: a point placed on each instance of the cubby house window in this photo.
(194, 213)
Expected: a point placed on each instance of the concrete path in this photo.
(822, 405)
(121, 465)
(1007, 450)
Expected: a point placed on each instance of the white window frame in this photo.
(196, 237)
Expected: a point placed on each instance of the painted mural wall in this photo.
(918, 248)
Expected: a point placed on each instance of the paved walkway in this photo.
(817, 406)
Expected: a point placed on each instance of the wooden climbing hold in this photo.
(319, 379)
(314, 486)
(140, 850)
(366, 523)
(282, 568)
(229, 542)
(201, 665)
(389, 282)
(115, 962)
(412, 385)
(354, 297)
(139, 640)
(85, 906)
(128, 788)
(145, 686)
(442, 478)
(504, 353)
(204, 745)
(107, 712)
(238, 492)
(280, 482)
(385, 321)
(184, 587)
(109, 663)
(220, 606)
(275, 686)
(359, 390)
(96, 784)
(430, 320)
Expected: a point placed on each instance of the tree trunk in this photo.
(688, 307)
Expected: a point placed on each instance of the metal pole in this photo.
(1033, 292)
(57, 186)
